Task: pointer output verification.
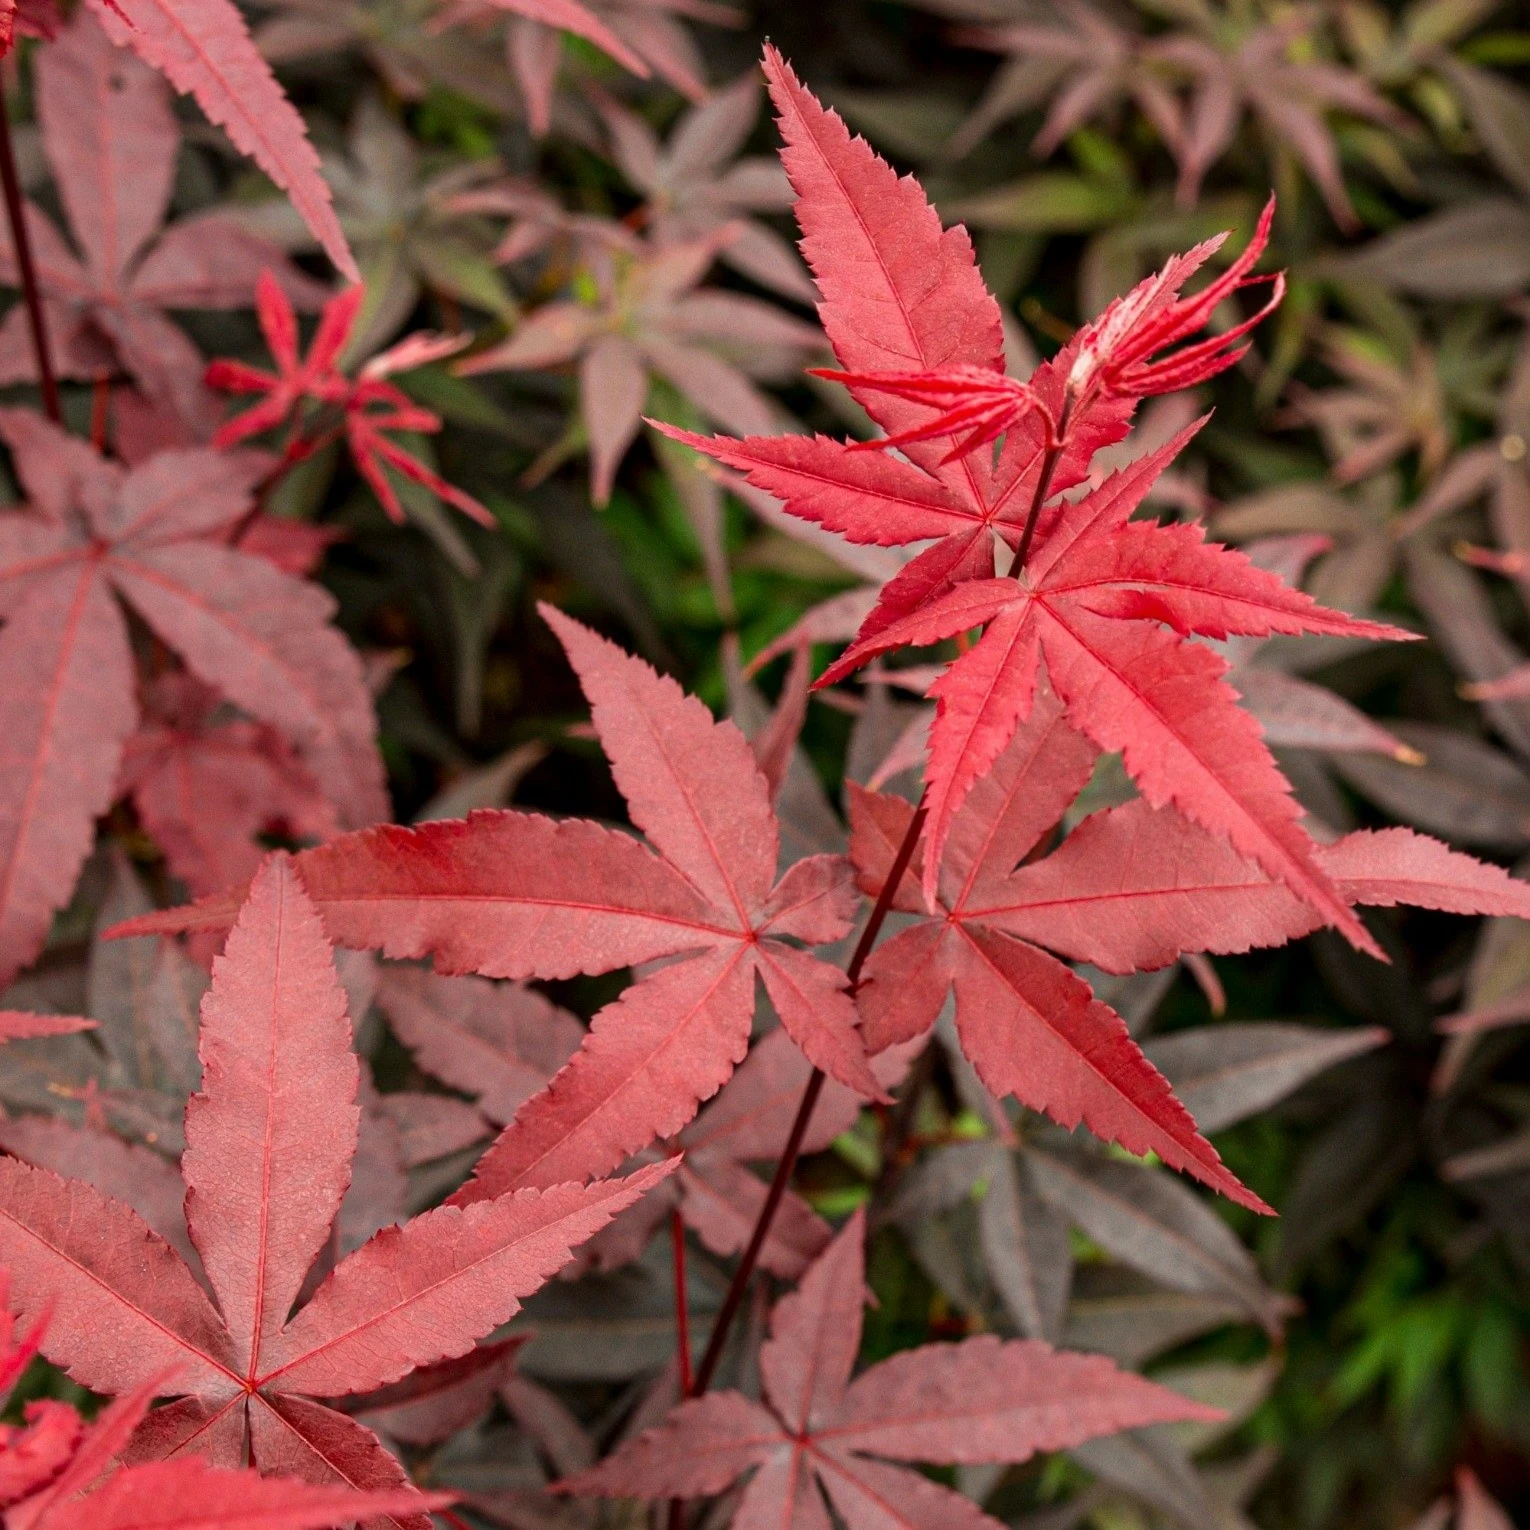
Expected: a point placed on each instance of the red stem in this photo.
(1043, 485)
(788, 1161)
(21, 242)
(682, 1305)
(880, 910)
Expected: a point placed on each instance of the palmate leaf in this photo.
(270, 1140)
(899, 294)
(1130, 889)
(516, 895)
(155, 537)
(1104, 604)
(695, 183)
(982, 1400)
(651, 320)
(903, 299)
(51, 1471)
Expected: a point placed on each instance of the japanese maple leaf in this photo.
(515, 895)
(1385, 406)
(817, 1432)
(269, 1144)
(1030, 1026)
(111, 140)
(1131, 889)
(204, 49)
(57, 1472)
(902, 297)
(369, 407)
(643, 36)
(154, 536)
(208, 783)
(650, 319)
(695, 183)
(1108, 605)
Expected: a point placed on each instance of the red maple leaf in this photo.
(155, 537)
(516, 895)
(57, 1473)
(902, 296)
(368, 407)
(980, 1401)
(269, 1144)
(1128, 890)
(1109, 605)
(111, 140)
(204, 48)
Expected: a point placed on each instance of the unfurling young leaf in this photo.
(369, 407)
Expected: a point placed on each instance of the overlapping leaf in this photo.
(111, 140)
(1131, 888)
(204, 49)
(515, 895)
(1105, 605)
(270, 1141)
(154, 536)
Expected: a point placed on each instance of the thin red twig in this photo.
(682, 1305)
(788, 1160)
(1043, 485)
(26, 267)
